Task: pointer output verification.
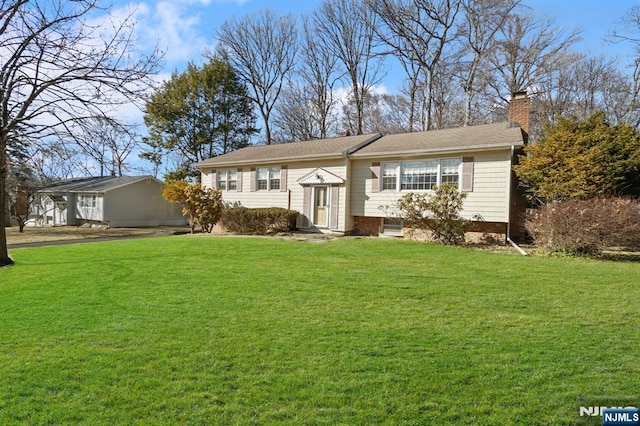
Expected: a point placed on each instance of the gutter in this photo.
(415, 152)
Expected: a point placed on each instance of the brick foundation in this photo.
(365, 225)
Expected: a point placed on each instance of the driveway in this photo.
(45, 236)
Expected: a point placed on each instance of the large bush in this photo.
(203, 205)
(586, 226)
(438, 212)
(582, 160)
(258, 221)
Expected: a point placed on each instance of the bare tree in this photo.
(482, 21)
(628, 31)
(104, 140)
(346, 28)
(262, 48)
(21, 188)
(528, 50)
(579, 88)
(293, 115)
(386, 113)
(419, 31)
(317, 71)
(298, 117)
(307, 102)
(448, 101)
(54, 162)
(59, 68)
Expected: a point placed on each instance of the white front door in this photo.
(320, 206)
(60, 214)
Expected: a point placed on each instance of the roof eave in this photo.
(332, 156)
(492, 147)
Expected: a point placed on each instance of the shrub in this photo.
(258, 221)
(582, 159)
(203, 205)
(586, 226)
(438, 212)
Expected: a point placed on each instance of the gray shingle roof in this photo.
(490, 136)
(447, 140)
(92, 184)
(308, 150)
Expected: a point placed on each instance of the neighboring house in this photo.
(126, 201)
(350, 184)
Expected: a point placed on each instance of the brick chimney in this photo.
(519, 109)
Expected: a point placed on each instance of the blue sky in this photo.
(186, 27)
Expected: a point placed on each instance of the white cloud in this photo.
(344, 94)
(175, 27)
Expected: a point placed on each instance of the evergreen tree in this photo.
(198, 114)
(582, 160)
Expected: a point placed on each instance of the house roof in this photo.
(489, 136)
(308, 150)
(93, 184)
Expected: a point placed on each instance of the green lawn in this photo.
(186, 330)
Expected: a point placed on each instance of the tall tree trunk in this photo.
(4, 251)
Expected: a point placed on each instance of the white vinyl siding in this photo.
(293, 191)
(489, 199)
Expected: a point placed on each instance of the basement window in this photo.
(392, 226)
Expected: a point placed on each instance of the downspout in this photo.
(509, 240)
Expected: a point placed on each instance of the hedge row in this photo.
(587, 226)
(258, 221)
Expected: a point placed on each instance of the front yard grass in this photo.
(227, 330)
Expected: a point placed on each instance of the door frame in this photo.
(314, 206)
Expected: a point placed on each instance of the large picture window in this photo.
(268, 178)
(420, 175)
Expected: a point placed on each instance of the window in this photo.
(222, 180)
(392, 226)
(420, 175)
(389, 176)
(450, 171)
(227, 180)
(232, 180)
(88, 201)
(268, 178)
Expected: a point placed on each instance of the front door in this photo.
(320, 207)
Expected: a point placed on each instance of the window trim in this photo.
(399, 172)
(83, 201)
(223, 179)
(273, 174)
